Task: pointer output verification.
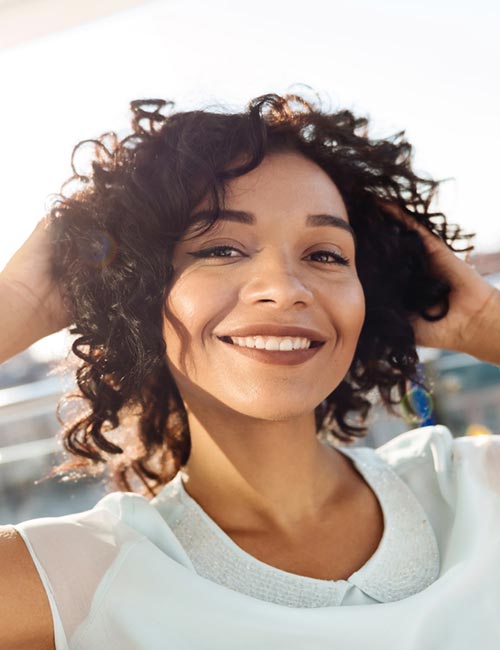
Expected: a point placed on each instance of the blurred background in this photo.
(68, 71)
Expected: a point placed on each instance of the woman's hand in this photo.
(472, 324)
(32, 302)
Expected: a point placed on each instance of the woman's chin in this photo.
(274, 412)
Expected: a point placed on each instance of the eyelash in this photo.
(339, 259)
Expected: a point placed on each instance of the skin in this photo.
(255, 462)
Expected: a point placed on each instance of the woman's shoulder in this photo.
(440, 466)
(431, 446)
(22, 591)
(76, 555)
(437, 445)
(417, 445)
(106, 522)
(69, 556)
(423, 458)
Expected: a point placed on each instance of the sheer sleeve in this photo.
(74, 554)
(424, 459)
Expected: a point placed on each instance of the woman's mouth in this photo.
(280, 357)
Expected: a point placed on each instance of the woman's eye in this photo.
(337, 257)
(218, 251)
(207, 252)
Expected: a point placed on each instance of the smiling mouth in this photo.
(276, 357)
(227, 339)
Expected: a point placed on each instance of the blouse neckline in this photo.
(192, 503)
(407, 557)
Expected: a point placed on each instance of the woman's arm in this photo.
(482, 339)
(25, 616)
(31, 303)
(19, 324)
(472, 324)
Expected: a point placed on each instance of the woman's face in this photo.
(275, 271)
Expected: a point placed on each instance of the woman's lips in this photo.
(280, 357)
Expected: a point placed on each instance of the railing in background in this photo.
(28, 450)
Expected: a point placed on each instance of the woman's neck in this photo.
(257, 475)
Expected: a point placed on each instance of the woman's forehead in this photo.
(284, 184)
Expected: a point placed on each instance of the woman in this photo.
(240, 284)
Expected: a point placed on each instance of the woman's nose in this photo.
(276, 279)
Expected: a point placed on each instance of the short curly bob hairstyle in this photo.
(113, 238)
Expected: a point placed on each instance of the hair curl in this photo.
(113, 237)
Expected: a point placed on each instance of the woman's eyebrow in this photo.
(248, 218)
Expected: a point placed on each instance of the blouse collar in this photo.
(406, 560)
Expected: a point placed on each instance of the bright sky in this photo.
(427, 66)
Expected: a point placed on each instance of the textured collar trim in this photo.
(405, 562)
(407, 559)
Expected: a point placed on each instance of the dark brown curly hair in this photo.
(113, 237)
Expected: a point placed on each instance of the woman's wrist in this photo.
(20, 324)
(483, 338)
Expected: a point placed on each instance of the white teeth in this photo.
(272, 342)
(260, 342)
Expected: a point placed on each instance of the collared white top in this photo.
(133, 574)
(405, 562)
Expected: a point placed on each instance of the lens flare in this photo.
(476, 429)
(416, 405)
(102, 250)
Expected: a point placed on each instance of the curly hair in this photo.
(113, 237)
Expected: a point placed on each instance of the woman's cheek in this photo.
(351, 302)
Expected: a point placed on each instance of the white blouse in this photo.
(133, 574)
(405, 562)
